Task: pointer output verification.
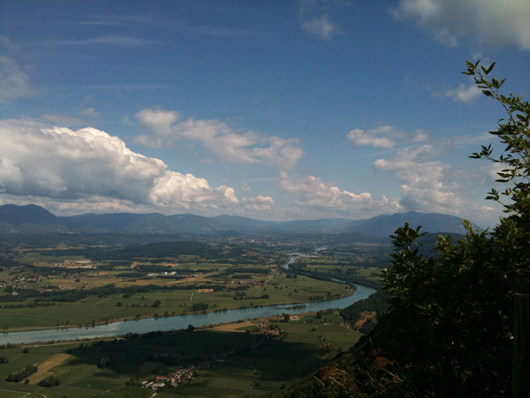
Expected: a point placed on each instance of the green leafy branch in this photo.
(514, 132)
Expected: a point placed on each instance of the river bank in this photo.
(176, 322)
(295, 304)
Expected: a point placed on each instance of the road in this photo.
(25, 393)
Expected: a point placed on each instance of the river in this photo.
(180, 321)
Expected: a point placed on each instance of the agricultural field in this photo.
(63, 286)
(275, 289)
(354, 263)
(76, 286)
(238, 360)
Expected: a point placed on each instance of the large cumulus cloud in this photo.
(85, 164)
(492, 22)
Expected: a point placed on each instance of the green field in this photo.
(241, 364)
(101, 309)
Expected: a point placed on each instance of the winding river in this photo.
(181, 321)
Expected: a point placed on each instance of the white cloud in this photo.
(420, 136)
(492, 22)
(166, 128)
(317, 19)
(321, 27)
(313, 193)
(91, 112)
(427, 184)
(92, 166)
(126, 120)
(466, 93)
(13, 82)
(127, 41)
(245, 187)
(384, 136)
(370, 137)
(258, 203)
(8, 44)
(485, 175)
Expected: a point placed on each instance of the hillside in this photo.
(32, 219)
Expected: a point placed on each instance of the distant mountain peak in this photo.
(26, 214)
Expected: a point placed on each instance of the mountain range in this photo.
(33, 219)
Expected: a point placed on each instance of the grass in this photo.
(256, 367)
(101, 309)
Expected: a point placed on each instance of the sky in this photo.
(275, 110)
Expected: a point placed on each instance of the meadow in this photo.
(101, 309)
(241, 364)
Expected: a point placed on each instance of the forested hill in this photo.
(32, 219)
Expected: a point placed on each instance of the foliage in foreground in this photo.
(448, 332)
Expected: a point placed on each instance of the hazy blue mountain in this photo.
(335, 225)
(33, 214)
(241, 221)
(148, 223)
(180, 223)
(331, 226)
(428, 242)
(111, 221)
(34, 219)
(385, 225)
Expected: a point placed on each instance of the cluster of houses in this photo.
(172, 273)
(180, 376)
(267, 331)
(77, 275)
(250, 283)
(19, 282)
(173, 379)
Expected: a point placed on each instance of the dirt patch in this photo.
(204, 290)
(234, 326)
(364, 317)
(46, 367)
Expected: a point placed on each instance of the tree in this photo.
(50, 381)
(451, 316)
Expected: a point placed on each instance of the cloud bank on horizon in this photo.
(311, 117)
(59, 163)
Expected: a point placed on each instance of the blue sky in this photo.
(276, 110)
